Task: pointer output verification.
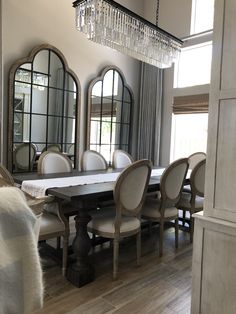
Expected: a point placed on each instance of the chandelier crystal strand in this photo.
(110, 24)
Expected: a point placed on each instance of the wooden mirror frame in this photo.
(89, 102)
(12, 74)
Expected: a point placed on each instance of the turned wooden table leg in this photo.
(81, 271)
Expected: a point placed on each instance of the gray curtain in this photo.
(150, 111)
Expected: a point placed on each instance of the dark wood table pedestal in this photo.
(81, 272)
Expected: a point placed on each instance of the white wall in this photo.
(28, 23)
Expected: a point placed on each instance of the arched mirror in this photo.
(110, 103)
(44, 97)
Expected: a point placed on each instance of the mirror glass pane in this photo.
(107, 105)
(118, 86)
(108, 84)
(70, 83)
(54, 129)
(69, 104)
(95, 131)
(40, 63)
(68, 130)
(96, 106)
(23, 75)
(21, 127)
(22, 97)
(57, 73)
(124, 134)
(39, 99)
(117, 111)
(127, 96)
(38, 128)
(126, 113)
(97, 89)
(55, 102)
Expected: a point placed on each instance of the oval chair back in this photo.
(92, 160)
(172, 180)
(197, 178)
(121, 159)
(52, 148)
(195, 158)
(131, 187)
(24, 156)
(53, 162)
(6, 176)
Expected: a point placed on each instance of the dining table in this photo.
(83, 190)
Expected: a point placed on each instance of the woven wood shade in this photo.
(191, 104)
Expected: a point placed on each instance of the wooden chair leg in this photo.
(115, 257)
(161, 238)
(65, 254)
(176, 233)
(191, 227)
(58, 243)
(138, 244)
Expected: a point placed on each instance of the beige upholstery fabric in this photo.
(173, 183)
(121, 159)
(185, 201)
(194, 159)
(53, 162)
(151, 210)
(107, 224)
(21, 156)
(50, 224)
(92, 160)
(132, 188)
(199, 179)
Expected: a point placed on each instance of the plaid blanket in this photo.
(21, 286)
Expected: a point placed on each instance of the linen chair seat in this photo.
(50, 224)
(150, 210)
(185, 201)
(106, 225)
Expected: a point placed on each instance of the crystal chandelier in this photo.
(110, 24)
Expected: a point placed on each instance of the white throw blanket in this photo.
(21, 286)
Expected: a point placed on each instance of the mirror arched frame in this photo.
(44, 105)
(110, 105)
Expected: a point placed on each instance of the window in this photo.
(202, 15)
(194, 66)
(109, 114)
(189, 134)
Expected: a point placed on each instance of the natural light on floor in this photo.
(189, 134)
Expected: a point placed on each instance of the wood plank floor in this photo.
(159, 285)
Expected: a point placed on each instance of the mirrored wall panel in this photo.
(43, 108)
(109, 113)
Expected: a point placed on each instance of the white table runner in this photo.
(37, 188)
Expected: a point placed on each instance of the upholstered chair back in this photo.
(197, 178)
(54, 162)
(22, 155)
(131, 187)
(92, 160)
(172, 180)
(195, 158)
(121, 159)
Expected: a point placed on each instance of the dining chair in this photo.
(24, 157)
(52, 148)
(121, 159)
(92, 160)
(53, 223)
(164, 208)
(124, 219)
(193, 202)
(53, 162)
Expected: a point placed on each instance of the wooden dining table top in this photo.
(69, 193)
